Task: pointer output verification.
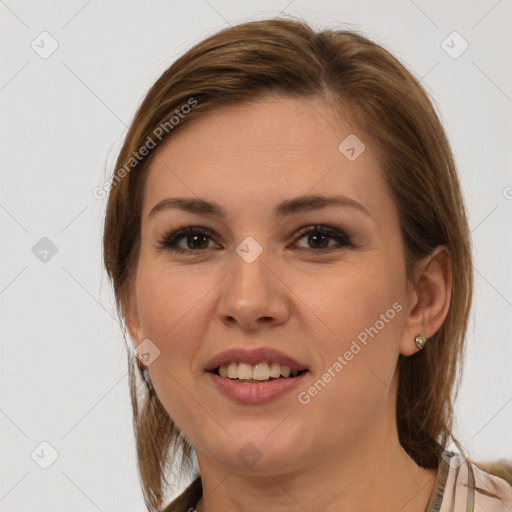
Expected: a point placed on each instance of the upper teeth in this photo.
(260, 371)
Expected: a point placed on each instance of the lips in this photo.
(255, 393)
(254, 356)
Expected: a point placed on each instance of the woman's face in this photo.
(335, 301)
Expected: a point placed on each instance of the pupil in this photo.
(316, 237)
(194, 239)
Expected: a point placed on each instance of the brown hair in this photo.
(285, 56)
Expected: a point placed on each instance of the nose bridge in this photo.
(252, 295)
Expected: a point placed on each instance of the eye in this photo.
(320, 236)
(195, 239)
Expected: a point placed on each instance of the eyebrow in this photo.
(288, 207)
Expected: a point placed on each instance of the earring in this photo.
(420, 341)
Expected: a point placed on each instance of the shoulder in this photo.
(475, 490)
(494, 494)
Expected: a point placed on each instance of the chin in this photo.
(259, 451)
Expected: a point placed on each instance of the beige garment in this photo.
(462, 487)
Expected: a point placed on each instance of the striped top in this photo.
(463, 487)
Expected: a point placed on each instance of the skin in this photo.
(329, 453)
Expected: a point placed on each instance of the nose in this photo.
(253, 296)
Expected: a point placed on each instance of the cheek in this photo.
(168, 298)
(172, 311)
(363, 316)
(354, 303)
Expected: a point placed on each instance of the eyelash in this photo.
(169, 241)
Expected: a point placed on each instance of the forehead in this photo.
(265, 150)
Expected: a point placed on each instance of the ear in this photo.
(429, 299)
(131, 315)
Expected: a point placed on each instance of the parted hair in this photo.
(360, 78)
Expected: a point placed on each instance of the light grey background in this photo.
(63, 371)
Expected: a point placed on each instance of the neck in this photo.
(374, 474)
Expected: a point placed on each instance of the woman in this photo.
(289, 250)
